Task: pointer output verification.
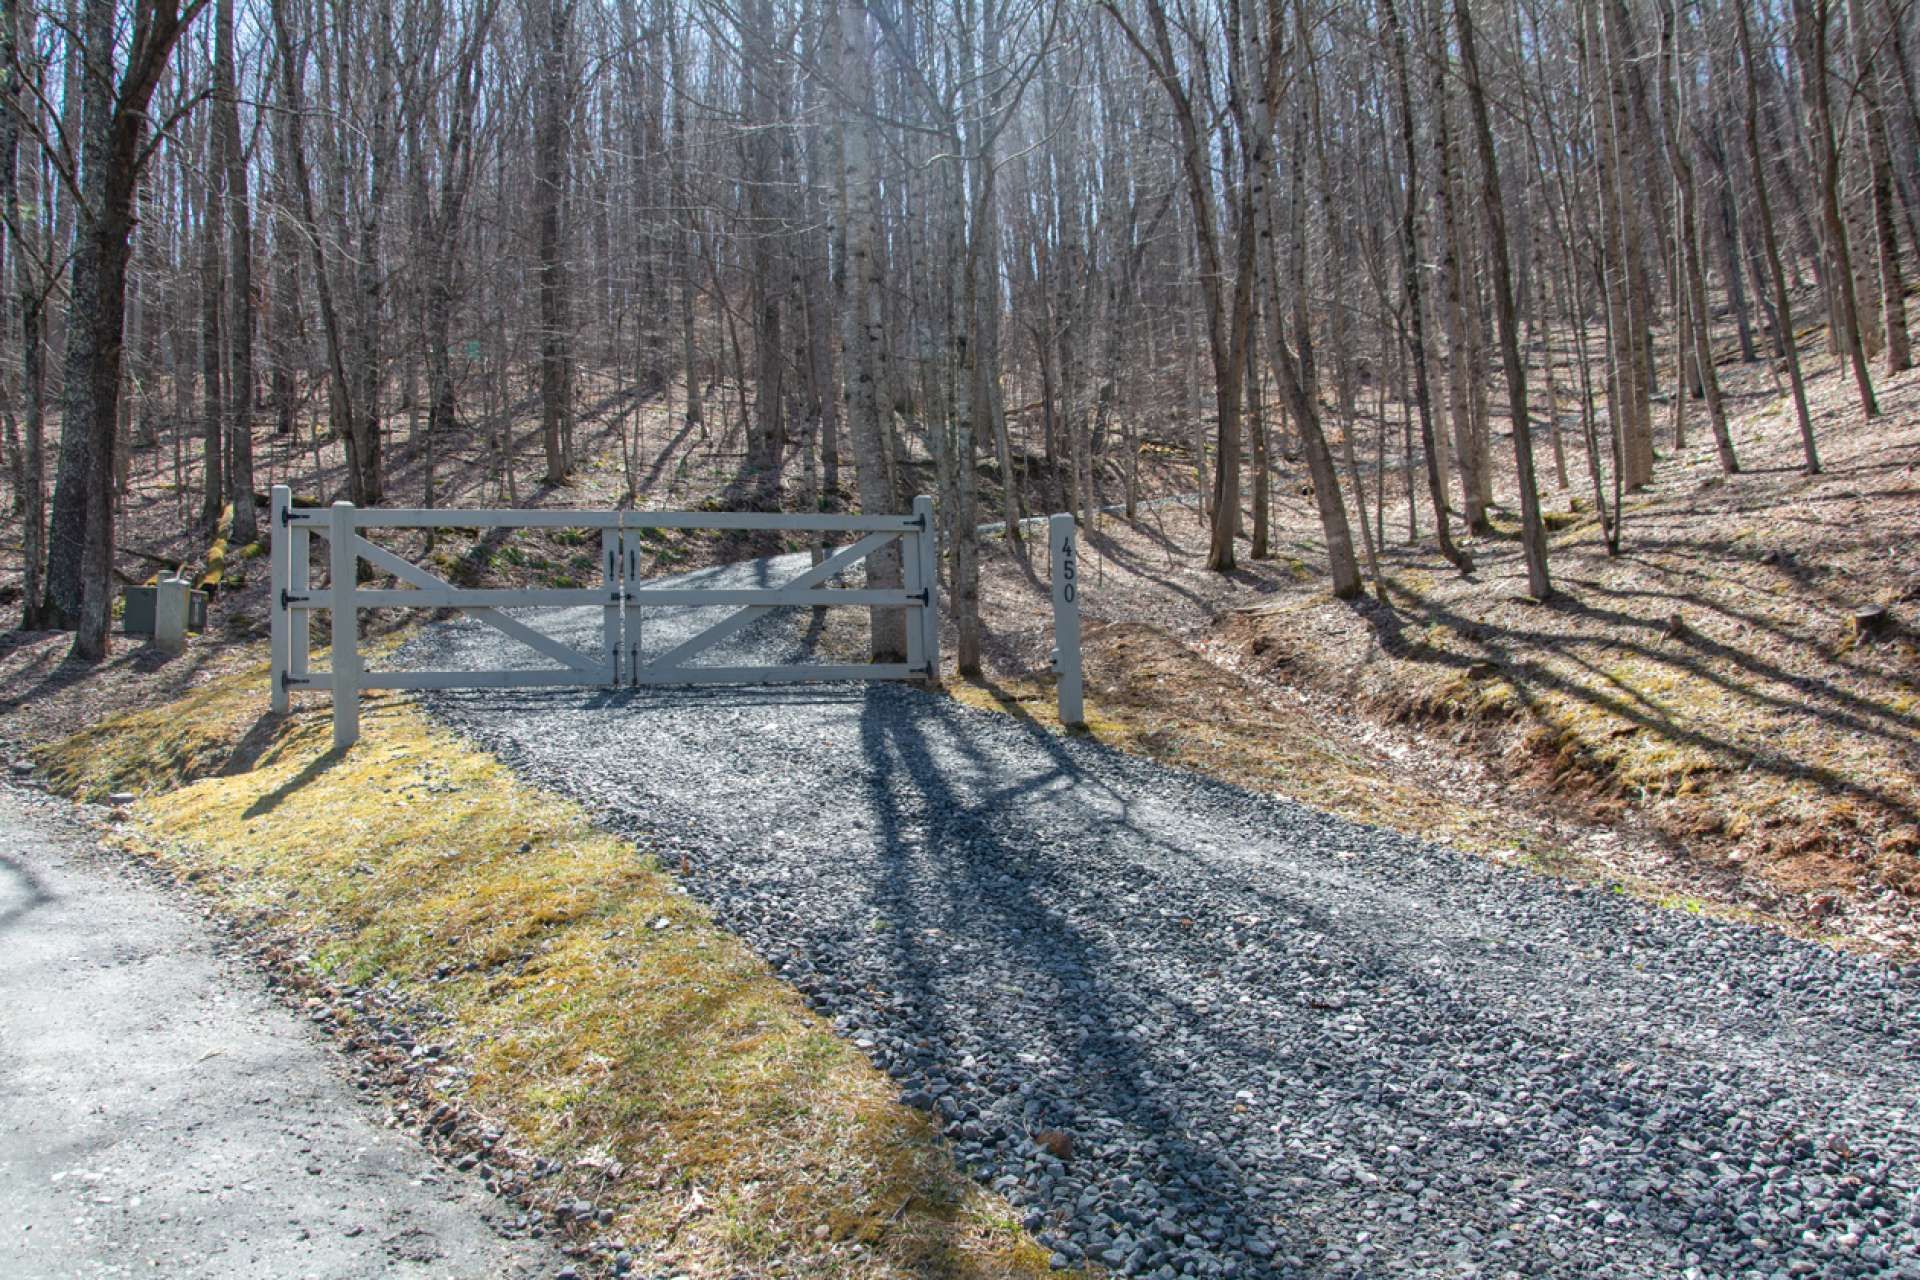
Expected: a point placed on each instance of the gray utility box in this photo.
(136, 616)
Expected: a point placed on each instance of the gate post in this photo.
(928, 549)
(280, 626)
(1066, 619)
(633, 627)
(612, 552)
(346, 628)
(299, 584)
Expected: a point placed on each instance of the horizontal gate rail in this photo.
(322, 681)
(621, 597)
(802, 674)
(477, 600)
(460, 598)
(515, 518)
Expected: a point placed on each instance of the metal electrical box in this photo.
(136, 614)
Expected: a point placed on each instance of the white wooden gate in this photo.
(622, 595)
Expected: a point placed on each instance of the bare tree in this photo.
(33, 280)
(1782, 300)
(114, 150)
(550, 27)
(1228, 291)
(1413, 308)
(864, 338)
(1015, 244)
(237, 212)
(1813, 24)
(1533, 533)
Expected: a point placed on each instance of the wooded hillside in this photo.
(1028, 243)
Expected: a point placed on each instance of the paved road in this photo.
(161, 1115)
(1199, 1032)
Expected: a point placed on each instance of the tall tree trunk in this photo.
(1628, 294)
(1893, 290)
(366, 444)
(766, 437)
(113, 118)
(1763, 211)
(1292, 364)
(1410, 269)
(212, 401)
(1812, 20)
(684, 237)
(340, 390)
(239, 311)
(864, 332)
(817, 295)
(1725, 223)
(1533, 534)
(1228, 292)
(284, 330)
(552, 22)
(1691, 275)
(23, 237)
(1467, 453)
(445, 220)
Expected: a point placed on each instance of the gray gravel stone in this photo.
(1210, 1033)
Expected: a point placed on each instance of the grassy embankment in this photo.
(598, 1016)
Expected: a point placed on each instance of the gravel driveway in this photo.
(1196, 1031)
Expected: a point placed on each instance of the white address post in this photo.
(1065, 554)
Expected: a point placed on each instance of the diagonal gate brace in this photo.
(671, 663)
(413, 575)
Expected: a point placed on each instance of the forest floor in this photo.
(1693, 719)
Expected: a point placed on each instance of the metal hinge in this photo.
(920, 521)
(925, 597)
(288, 600)
(288, 681)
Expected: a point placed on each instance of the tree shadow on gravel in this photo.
(963, 903)
(1001, 940)
(1138, 947)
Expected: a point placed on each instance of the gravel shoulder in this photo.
(161, 1114)
(1196, 1031)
